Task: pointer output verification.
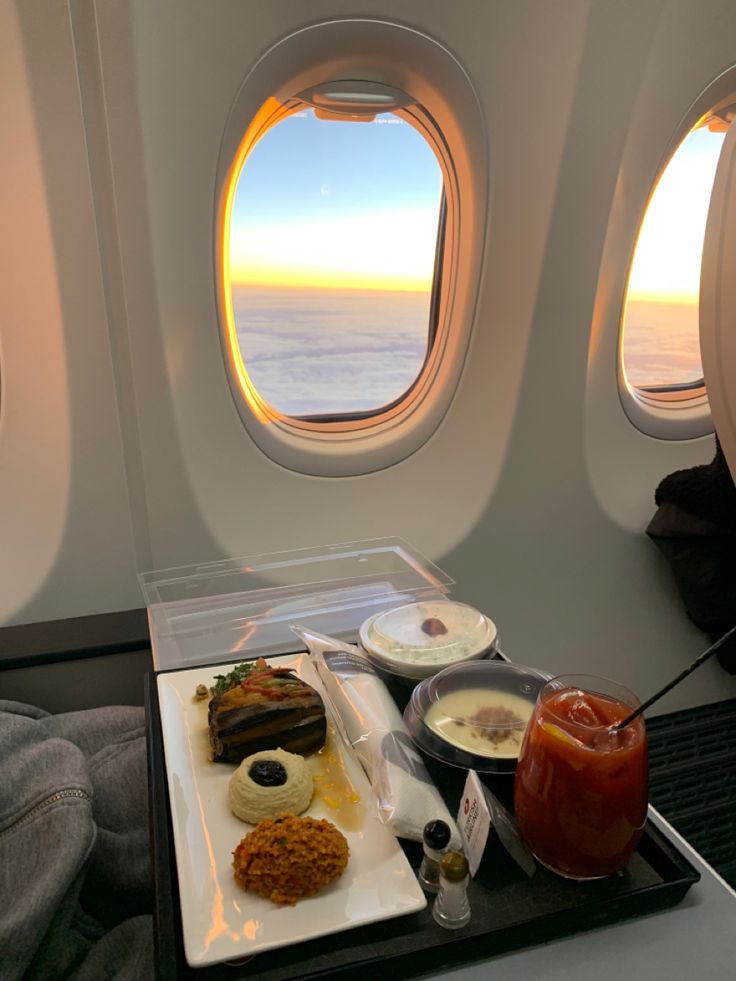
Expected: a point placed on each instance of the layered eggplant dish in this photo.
(257, 707)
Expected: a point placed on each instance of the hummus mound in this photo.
(252, 802)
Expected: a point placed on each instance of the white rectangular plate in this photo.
(220, 920)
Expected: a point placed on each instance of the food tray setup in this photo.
(509, 909)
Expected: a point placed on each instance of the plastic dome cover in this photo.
(427, 634)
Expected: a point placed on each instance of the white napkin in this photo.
(372, 725)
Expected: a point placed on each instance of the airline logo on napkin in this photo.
(345, 663)
(474, 821)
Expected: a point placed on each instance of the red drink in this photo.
(581, 790)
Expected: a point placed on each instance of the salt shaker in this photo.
(436, 838)
(451, 908)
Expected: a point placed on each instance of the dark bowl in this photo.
(474, 715)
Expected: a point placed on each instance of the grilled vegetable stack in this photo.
(259, 707)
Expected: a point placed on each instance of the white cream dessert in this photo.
(481, 721)
(269, 783)
(428, 634)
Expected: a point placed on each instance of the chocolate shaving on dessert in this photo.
(496, 723)
(434, 627)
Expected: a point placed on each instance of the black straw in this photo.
(676, 681)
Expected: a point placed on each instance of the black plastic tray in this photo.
(509, 910)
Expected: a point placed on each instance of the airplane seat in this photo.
(695, 522)
(718, 300)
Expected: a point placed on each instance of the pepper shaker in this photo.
(451, 908)
(436, 838)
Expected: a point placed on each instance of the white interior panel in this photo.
(244, 503)
(66, 545)
(535, 490)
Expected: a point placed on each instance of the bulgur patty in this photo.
(287, 858)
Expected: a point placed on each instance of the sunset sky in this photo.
(354, 206)
(661, 330)
(337, 204)
(666, 262)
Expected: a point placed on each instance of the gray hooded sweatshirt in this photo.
(74, 857)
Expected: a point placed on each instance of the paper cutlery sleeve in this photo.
(407, 797)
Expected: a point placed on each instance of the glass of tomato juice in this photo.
(581, 788)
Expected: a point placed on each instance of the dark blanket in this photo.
(695, 529)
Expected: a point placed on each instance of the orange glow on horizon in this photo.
(330, 281)
(669, 247)
(643, 296)
(380, 250)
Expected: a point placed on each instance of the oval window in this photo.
(660, 344)
(351, 211)
(335, 240)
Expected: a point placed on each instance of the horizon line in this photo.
(645, 296)
(363, 288)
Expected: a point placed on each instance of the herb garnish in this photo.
(224, 682)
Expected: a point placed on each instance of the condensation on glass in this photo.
(660, 345)
(335, 245)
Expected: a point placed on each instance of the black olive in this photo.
(267, 773)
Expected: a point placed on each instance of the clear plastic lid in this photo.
(475, 715)
(420, 639)
(212, 612)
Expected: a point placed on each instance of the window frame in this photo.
(441, 104)
(675, 411)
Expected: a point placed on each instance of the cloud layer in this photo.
(317, 351)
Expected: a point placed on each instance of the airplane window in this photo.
(660, 345)
(351, 208)
(335, 244)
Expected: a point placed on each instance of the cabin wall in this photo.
(122, 449)
(66, 530)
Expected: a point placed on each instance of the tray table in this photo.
(509, 910)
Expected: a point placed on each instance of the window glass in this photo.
(661, 346)
(332, 259)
